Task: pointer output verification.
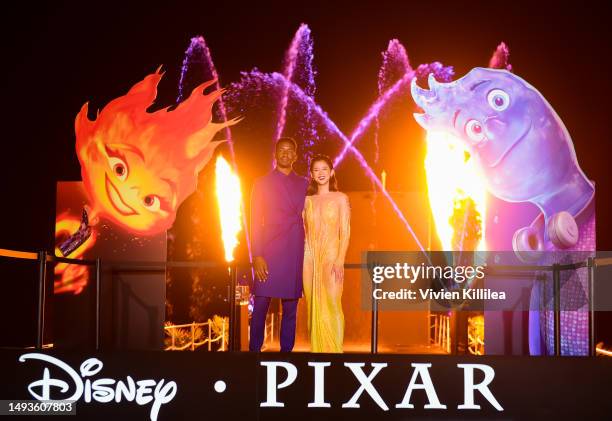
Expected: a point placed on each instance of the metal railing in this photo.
(43, 258)
(439, 331)
(591, 263)
(193, 344)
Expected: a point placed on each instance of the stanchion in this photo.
(42, 284)
(232, 271)
(374, 331)
(591, 286)
(98, 286)
(557, 308)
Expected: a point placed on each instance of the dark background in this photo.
(58, 55)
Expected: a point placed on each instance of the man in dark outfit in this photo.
(277, 239)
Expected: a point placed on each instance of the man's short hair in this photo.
(286, 140)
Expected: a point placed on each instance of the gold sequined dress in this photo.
(327, 228)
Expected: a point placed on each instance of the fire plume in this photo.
(453, 177)
(229, 199)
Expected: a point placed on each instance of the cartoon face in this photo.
(507, 125)
(138, 167)
(130, 190)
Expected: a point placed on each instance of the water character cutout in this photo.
(522, 147)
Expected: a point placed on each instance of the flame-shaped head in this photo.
(137, 167)
(521, 145)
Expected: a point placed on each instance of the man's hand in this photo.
(338, 271)
(261, 268)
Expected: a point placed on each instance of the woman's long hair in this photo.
(313, 186)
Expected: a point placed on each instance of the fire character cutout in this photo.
(71, 278)
(138, 167)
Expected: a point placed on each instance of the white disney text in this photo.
(101, 390)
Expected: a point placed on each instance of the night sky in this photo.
(57, 56)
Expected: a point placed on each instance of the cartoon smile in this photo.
(116, 200)
(507, 151)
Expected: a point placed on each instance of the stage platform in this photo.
(275, 386)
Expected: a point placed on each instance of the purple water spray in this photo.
(198, 52)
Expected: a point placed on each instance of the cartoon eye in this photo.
(151, 202)
(473, 129)
(119, 167)
(498, 99)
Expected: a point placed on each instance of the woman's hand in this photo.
(338, 271)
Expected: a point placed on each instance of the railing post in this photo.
(232, 271)
(98, 293)
(591, 286)
(42, 277)
(557, 308)
(209, 335)
(192, 336)
(223, 335)
(374, 328)
(448, 335)
(444, 332)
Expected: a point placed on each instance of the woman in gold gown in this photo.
(327, 227)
